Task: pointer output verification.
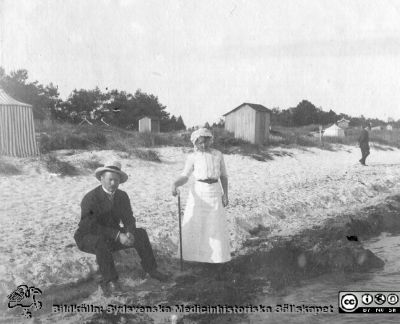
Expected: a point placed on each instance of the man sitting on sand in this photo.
(363, 141)
(99, 232)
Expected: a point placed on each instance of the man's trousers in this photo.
(364, 154)
(103, 248)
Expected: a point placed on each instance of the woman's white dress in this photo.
(205, 233)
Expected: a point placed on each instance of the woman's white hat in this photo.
(113, 166)
(199, 133)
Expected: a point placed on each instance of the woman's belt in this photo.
(209, 181)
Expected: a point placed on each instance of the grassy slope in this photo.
(53, 136)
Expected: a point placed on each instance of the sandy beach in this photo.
(298, 190)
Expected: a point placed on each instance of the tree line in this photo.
(123, 109)
(118, 108)
(306, 113)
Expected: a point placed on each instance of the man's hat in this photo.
(113, 166)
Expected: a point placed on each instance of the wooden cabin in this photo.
(149, 124)
(250, 122)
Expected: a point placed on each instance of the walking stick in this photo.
(180, 228)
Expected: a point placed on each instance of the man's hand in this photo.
(131, 238)
(126, 239)
(225, 200)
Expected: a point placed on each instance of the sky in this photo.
(204, 58)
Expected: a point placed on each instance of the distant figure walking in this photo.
(363, 140)
(205, 229)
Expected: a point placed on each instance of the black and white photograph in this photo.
(195, 162)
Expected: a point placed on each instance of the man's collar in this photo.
(108, 192)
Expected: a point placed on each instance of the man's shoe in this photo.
(110, 287)
(105, 288)
(158, 275)
(98, 278)
(115, 287)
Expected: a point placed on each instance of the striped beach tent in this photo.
(17, 129)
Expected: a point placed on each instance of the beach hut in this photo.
(249, 122)
(334, 131)
(343, 123)
(149, 124)
(17, 129)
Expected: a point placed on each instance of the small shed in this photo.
(334, 131)
(250, 122)
(149, 124)
(389, 127)
(343, 123)
(17, 129)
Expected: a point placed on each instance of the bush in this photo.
(148, 155)
(97, 138)
(305, 141)
(224, 141)
(8, 168)
(59, 141)
(72, 141)
(118, 146)
(54, 136)
(54, 165)
(92, 164)
(66, 136)
(172, 139)
(146, 139)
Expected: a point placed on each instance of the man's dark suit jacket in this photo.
(363, 140)
(101, 217)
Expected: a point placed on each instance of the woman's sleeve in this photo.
(223, 172)
(189, 166)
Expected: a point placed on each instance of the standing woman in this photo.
(205, 234)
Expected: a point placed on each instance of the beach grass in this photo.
(386, 137)
(305, 136)
(382, 137)
(91, 164)
(146, 154)
(308, 136)
(8, 168)
(62, 168)
(55, 136)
